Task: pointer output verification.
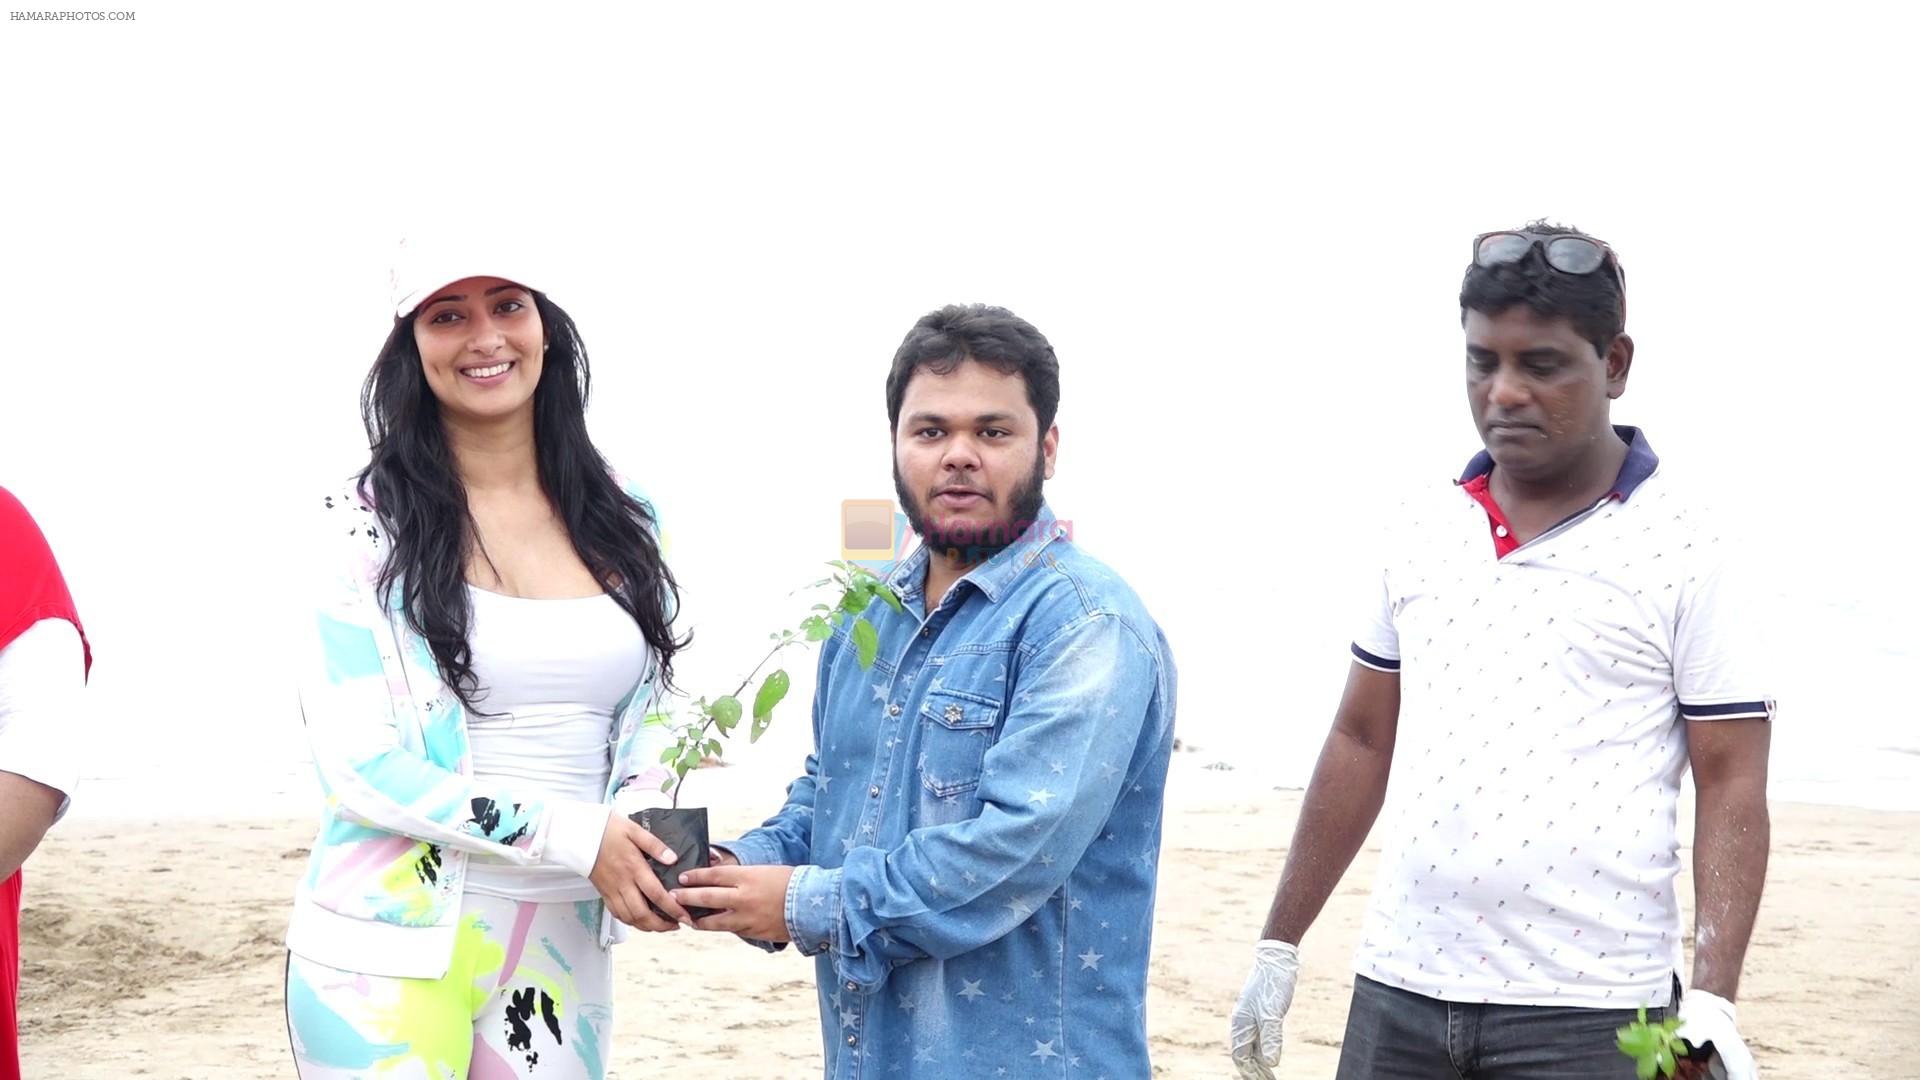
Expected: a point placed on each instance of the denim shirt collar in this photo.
(992, 577)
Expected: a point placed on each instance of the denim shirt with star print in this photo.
(978, 828)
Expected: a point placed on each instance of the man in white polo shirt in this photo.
(1554, 638)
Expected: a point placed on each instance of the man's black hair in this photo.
(1593, 303)
(942, 340)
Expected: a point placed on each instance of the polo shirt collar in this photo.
(1640, 463)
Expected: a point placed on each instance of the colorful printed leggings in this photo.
(529, 995)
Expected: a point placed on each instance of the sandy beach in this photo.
(152, 949)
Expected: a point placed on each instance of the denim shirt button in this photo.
(893, 710)
(872, 793)
(853, 1040)
(851, 986)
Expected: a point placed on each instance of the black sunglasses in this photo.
(1567, 254)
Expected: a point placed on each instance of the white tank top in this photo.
(552, 673)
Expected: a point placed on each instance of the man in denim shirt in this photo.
(971, 853)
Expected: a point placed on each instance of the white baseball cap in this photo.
(423, 265)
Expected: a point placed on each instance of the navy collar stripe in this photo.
(1640, 464)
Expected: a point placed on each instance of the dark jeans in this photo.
(1396, 1035)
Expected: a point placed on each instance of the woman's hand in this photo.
(626, 882)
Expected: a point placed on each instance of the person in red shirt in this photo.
(44, 662)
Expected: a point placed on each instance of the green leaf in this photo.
(726, 712)
(893, 601)
(1647, 1045)
(669, 753)
(855, 600)
(714, 748)
(867, 641)
(759, 728)
(772, 689)
(817, 628)
(667, 784)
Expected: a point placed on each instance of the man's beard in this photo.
(966, 542)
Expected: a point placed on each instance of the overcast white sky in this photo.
(1243, 230)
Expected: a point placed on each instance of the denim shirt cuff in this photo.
(813, 909)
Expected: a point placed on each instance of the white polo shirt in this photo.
(1530, 841)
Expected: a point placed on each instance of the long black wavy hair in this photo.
(417, 493)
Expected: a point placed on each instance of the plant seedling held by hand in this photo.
(684, 829)
(1657, 1051)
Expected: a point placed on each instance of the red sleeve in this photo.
(31, 588)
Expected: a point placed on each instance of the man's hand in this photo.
(751, 901)
(1253, 1035)
(626, 882)
(1709, 1018)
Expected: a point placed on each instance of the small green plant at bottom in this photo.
(1658, 1050)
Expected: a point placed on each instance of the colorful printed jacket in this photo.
(381, 894)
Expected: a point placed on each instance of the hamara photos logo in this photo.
(874, 534)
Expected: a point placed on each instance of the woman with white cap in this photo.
(493, 619)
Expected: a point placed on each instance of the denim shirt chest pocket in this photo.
(959, 719)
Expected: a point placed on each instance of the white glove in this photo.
(1254, 1035)
(1709, 1018)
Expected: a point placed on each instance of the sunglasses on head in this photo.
(1567, 254)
